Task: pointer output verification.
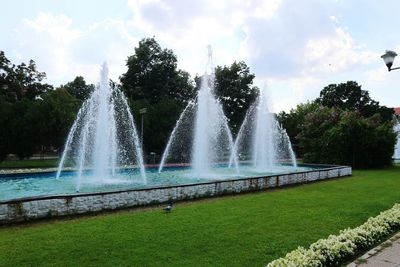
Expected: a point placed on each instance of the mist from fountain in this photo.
(202, 135)
(262, 140)
(103, 136)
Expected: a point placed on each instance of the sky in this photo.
(294, 48)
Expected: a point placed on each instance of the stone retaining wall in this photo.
(26, 209)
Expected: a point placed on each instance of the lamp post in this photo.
(142, 111)
(388, 58)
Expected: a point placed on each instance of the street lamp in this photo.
(388, 58)
(142, 111)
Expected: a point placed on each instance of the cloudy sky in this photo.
(294, 47)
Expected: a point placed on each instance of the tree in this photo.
(153, 75)
(21, 81)
(78, 88)
(21, 90)
(25, 129)
(32, 115)
(293, 121)
(350, 96)
(336, 136)
(5, 124)
(57, 110)
(233, 86)
(153, 81)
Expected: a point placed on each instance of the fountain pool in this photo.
(34, 196)
(14, 186)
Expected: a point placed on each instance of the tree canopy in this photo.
(21, 81)
(32, 113)
(342, 126)
(78, 88)
(153, 75)
(350, 96)
(337, 136)
(234, 87)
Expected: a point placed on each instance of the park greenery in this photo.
(343, 126)
(339, 249)
(242, 230)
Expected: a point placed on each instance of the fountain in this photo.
(103, 137)
(211, 140)
(262, 140)
(200, 158)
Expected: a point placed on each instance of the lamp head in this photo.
(388, 58)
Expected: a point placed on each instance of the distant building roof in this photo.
(397, 111)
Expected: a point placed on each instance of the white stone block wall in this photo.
(45, 207)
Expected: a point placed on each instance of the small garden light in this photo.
(388, 58)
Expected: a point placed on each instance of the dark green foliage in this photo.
(21, 89)
(21, 81)
(153, 75)
(25, 128)
(153, 81)
(58, 111)
(293, 121)
(41, 123)
(350, 96)
(6, 116)
(78, 88)
(335, 136)
(343, 126)
(159, 120)
(33, 116)
(233, 86)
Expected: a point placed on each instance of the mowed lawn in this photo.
(243, 230)
(30, 163)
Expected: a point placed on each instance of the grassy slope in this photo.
(246, 230)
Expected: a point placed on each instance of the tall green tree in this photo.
(57, 110)
(21, 81)
(21, 91)
(153, 81)
(234, 88)
(78, 88)
(350, 96)
(153, 75)
(25, 129)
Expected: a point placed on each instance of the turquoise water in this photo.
(45, 184)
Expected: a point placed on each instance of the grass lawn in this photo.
(30, 163)
(245, 230)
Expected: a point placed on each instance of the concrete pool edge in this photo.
(31, 208)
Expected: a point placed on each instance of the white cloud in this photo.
(46, 39)
(64, 51)
(335, 53)
(189, 26)
(298, 46)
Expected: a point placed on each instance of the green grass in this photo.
(245, 230)
(29, 163)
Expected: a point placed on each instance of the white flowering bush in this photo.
(337, 249)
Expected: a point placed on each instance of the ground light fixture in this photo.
(388, 58)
